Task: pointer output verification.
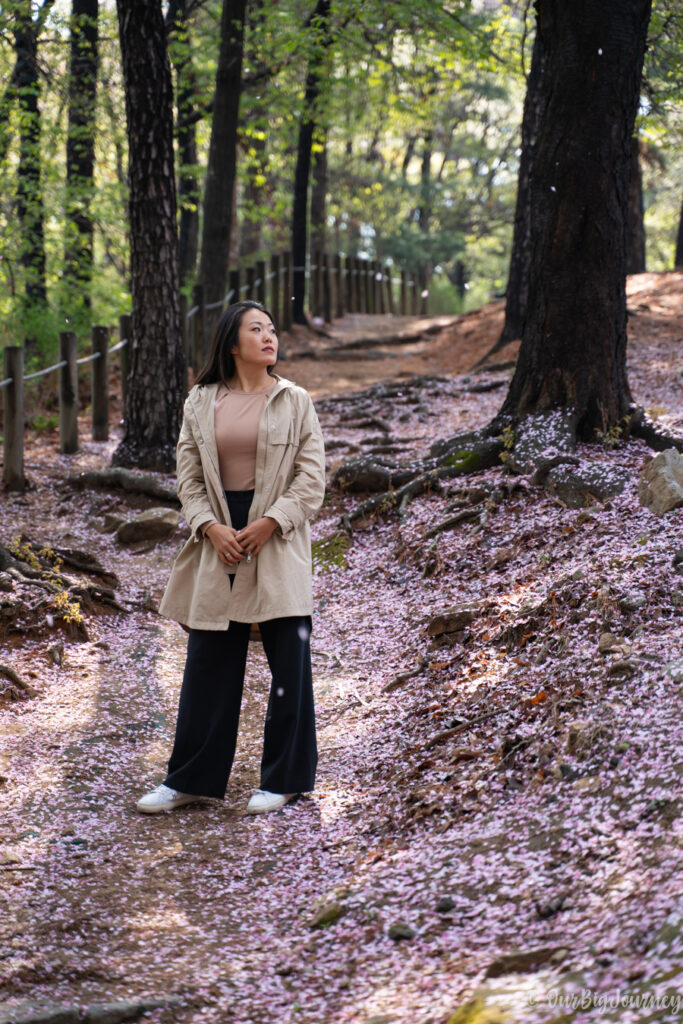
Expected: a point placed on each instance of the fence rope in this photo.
(48, 369)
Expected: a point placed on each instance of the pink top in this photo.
(236, 419)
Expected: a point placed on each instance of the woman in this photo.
(251, 471)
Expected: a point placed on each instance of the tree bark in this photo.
(518, 274)
(177, 21)
(635, 226)
(80, 156)
(156, 380)
(678, 258)
(29, 190)
(319, 196)
(573, 352)
(319, 26)
(222, 165)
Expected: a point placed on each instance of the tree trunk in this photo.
(254, 142)
(319, 196)
(222, 165)
(156, 380)
(29, 191)
(177, 22)
(518, 274)
(80, 156)
(635, 227)
(319, 25)
(678, 258)
(573, 351)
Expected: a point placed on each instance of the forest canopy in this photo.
(415, 151)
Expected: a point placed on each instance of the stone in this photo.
(50, 1015)
(111, 521)
(152, 524)
(123, 1010)
(607, 642)
(632, 601)
(400, 930)
(660, 485)
(326, 914)
(444, 905)
(588, 784)
(674, 670)
(523, 961)
(454, 618)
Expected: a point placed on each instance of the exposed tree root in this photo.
(642, 426)
(16, 680)
(124, 479)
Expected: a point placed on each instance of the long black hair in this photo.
(221, 362)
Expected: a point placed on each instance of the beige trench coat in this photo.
(289, 486)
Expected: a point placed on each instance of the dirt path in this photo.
(436, 860)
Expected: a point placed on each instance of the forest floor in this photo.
(494, 838)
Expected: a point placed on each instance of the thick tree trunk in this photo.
(80, 156)
(253, 141)
(319, 197)
(518, 275)
(319, 25)
(573, 351)
(29, 190)
(177, 22)
(222, 166)
(635, 226)
(156, 381)
(678, 258)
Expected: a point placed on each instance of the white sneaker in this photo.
(163, 798)
(262, 801)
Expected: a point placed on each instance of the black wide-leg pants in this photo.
(211, 698)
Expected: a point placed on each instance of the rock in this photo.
(582, 734)
(152, 524)
(455, 618)
(521, 961)
(660, 485)
(588, 784)
(111, 522)
(370, 473)
(632, 601)
(50, 1015)
(444, 905)
(607, 642)
(678, 561)
(550, 907)
(623, 667)
(6, 583)
(588, 482)
(326, 914)
(124, 1010)
(674, 670)
(479, 1011)
(56, 653)
(9, 857)
(400, 930)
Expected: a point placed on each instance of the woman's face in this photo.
(256, 340)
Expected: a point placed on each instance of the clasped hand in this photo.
(234, 545)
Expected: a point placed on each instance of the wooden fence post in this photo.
(68, 393)
(413, 295)
(316, 279)
(327, 293)
(369, 287)
(390, 293)
(275, 293)
(198, 328)
(404, 294)
(379, 286)
(13, 411)
(286, 290)
(100, 384)
(261, 278)
(126, 331)
(423, 290)
(234, 286)
(339, 285)
(349, 282)
(251, 277)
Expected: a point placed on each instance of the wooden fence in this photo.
(337, 285)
